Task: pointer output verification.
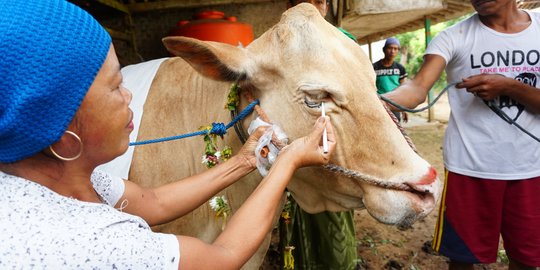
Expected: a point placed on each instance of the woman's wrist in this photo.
(242, 163)
(289, 158)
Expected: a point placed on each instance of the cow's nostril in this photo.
(428, 178)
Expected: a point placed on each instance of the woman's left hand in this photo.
(248, 150)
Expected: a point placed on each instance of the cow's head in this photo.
(292, 68)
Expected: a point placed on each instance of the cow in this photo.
(293, 67)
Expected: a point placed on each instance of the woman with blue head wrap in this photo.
(63, 112)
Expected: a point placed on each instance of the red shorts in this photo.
(474, 212)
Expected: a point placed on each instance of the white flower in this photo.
(218, 154)
(218, 202)
(204, 159)
(214, 204)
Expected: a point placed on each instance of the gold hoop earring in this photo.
(69, 158)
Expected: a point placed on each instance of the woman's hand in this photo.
(248, 149)
(308, 150)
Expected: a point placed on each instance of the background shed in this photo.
(137, 26)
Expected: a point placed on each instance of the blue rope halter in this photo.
(217, 128)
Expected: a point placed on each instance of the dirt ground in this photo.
(386, 247)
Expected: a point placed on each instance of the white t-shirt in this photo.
(40, 229)
(477, 142)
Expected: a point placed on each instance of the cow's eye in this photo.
(312, 104)
(313, 99)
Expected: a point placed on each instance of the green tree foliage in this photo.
(413, 44)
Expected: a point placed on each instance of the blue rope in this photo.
(421, 109)
(490, 104)
(217, 128)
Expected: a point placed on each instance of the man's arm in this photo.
(403, 74)
(490, 86)
(413, 92)
(402, 80)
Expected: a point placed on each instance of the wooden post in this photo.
(427, 27)
(369, 51)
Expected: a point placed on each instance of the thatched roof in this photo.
(373, 20)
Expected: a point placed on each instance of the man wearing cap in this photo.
(390, 74)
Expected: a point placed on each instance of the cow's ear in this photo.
(218, 61)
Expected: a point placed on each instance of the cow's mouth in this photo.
(422, 194)
(420, 190)
(420, 203)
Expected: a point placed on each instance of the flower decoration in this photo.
(226, 153)
(221, 206)
(288, 258)
(286, 212)
(212, 156)
(233, 99)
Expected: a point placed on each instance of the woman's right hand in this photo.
(308, 150)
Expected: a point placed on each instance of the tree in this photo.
(413, 47)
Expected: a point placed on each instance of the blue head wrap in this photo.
(50, 53)
(391, 41)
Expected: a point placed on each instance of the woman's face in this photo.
(104, 120)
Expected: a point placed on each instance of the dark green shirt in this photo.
(388, 77)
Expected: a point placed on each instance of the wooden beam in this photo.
(530, 4)
(370, 51)
(466, 4)
(454, 9)
(115, 4)
(115, 34)
(340, 12)
(176, 4)
(427, 32)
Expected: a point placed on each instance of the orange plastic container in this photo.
(212, 25)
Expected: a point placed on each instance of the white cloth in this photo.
(477, 142)
(265, 163)
(137, 79)
(41, 229)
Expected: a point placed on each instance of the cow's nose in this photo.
(427, 183)
(428, 178)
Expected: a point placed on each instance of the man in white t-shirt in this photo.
(493, 167)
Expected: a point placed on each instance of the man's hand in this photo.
(404, 117)
(486, 86)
